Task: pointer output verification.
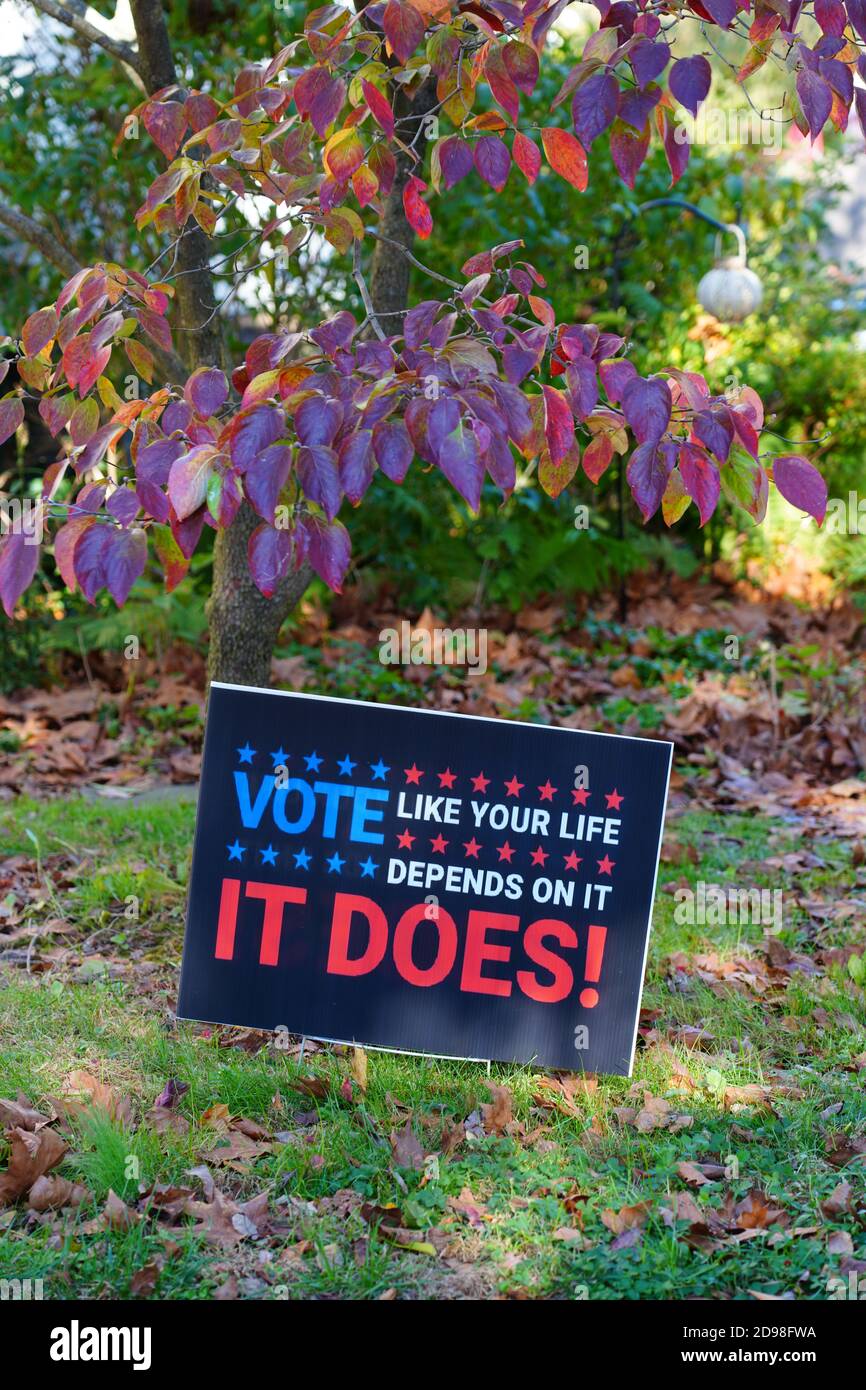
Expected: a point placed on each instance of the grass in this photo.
(534, 1223)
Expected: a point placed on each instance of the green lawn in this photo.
(582, 1194)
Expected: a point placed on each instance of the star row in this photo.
(302, 859)
(379, 771)
(506, 852)
(313, 762)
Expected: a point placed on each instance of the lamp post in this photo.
(730, 291)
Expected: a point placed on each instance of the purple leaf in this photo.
(593, 106)
(393, 449)
(690, 80)
(647, 408)
(455, 160)
(266, 477)
(722, 11)
(493, 161)
(801, 484)
(253, 431)
(125, 558)
(715, 432)
(206, 390)
(318, 475)
(317, 420)
(355, 455)
(816, 99)
(89, 559)
(648, 471)
(123, 505)
(269, 554)
(615, 376)
(329, 550)
(18, 561)
(648, 59)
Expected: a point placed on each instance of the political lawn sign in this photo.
(422, 881)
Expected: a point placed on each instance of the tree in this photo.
(332, 134)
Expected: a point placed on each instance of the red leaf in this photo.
(39, 331)
(11, 416)
(418, 214)
(527, 156)
(404, 28)
(558, 424)
(700, 479)
(165, 123)
(566, 156)
(379, 106)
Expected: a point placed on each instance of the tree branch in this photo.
(123, 52)
(40, 237)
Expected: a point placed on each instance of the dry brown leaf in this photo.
(500, 1112)
(406, 1149)
(54, 1193)
(33, 1154)
(626, 1218)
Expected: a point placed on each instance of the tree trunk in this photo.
(242, 624)
(389, 277)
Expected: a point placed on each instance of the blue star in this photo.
(269, 855)
(246, 754)
(368, 868)
(379, 769)
(236, 851)
(335, 863)
(313, 761)
(303, 860)
(281, 757)
(346, 765)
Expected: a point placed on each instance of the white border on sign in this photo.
(486, 719)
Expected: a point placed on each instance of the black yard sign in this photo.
(421, 881)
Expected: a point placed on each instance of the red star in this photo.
(614, 800)
(413, 774)
(438, 845)
(514, 787)
(605, 865)
(572, 861)
(539, 855)
(505, 852)
(579, 796)
(480, 783)
(405, 841)
(446, 778)
(471, 847)
(547, 791)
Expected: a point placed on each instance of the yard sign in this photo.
(422, 881)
